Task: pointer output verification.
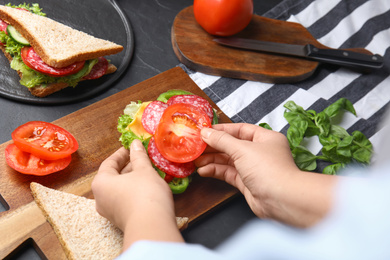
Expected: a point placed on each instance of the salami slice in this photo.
(178, 170)
(152, 114)
(98, 70)
(194, 100)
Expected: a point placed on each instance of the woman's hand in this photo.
(131, 194)
(259, 163)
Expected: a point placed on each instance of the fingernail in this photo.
(206, 132)
(136, 145)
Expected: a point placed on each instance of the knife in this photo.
(334, 56)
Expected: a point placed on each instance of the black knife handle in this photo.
(344, 57)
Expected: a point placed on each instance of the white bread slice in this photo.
(43, 91)
(58, 45)
(82, 232)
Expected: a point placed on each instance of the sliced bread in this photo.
(82, 232)
(58, 45)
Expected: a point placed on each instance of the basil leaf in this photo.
(362, 149)
(338, 131)
(346, 142)
(338, 106)
(265, 125)
(296, 133)
(295, 117)
(335, 155)
(322, 121)
(328, 140)
(290, 105)
(304, 159)
(333, 168)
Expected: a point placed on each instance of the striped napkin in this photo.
(336, 24)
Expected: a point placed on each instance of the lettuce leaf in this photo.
(31, 78)
(127, 136)
(12, 47)
(32, 8)
(123, 122)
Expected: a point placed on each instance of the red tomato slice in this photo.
(29, 164)
(24, 9)
(98, 70)
(32, 60)
(3, 26)
(178, 133)
(44, 140)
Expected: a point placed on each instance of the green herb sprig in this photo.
(339, 148)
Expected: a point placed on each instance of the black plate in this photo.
(101, 18)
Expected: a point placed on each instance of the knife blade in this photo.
(334, 56)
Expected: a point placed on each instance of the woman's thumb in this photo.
(220, 140)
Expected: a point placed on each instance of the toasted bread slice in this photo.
(43, 91)
(58, 45)
(82, 232)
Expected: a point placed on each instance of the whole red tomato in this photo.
(223, 17)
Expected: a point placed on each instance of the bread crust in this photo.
(43, 91)
(58, 45)
(61, 211)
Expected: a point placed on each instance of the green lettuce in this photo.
(12, 47)
(34, 8)
(31, 78)
(127, 136)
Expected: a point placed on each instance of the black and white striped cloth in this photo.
(336, 24)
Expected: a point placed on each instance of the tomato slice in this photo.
(44, 140)
(32, 60)
(3, 26)
(29, 164)
(178, 133)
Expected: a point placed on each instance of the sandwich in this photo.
(82, 232)
(49, 55)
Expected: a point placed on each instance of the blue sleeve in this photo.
(357, 228)
(144, 250)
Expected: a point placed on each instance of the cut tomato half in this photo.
(27, 163)
(32, 60)
(178, 133)
(44, 140)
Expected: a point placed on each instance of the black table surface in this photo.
(151, 21)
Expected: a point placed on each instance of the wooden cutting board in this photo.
(95, 129)
(195, 48)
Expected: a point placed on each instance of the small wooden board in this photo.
(195, 48)
(95, 129)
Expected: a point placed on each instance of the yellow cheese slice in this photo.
(136, 125)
